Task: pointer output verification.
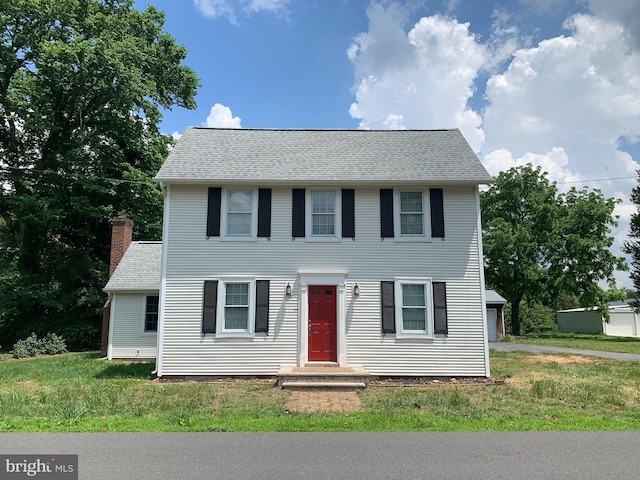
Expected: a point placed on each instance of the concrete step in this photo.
(323, 376)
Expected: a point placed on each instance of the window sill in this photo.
(319, 239)
(231, 238)
(412, 239)
(415, 336)
(236, 335)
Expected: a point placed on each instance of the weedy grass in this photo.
(83, 393)
(584, 341)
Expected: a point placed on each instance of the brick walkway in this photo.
(324, 401)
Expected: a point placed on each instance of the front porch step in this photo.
(323, 377)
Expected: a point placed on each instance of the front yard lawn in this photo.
(79, 392)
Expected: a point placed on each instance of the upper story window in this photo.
(239, 214)
(240, 210)
(412, 213)
(323, 213)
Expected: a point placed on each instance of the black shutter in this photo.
(297, 213)
(209, 306)
(348, 213)
(262, 306)
(388, 307)
(264, 212)
(437, 213)
(440, 308)
(213, 212)
(386, 213)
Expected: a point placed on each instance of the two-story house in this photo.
(288, 247)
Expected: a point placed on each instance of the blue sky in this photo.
(555, 83)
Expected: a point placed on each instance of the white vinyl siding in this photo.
(192, 259)
(127, 338)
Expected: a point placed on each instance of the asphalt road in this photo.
(353, 456)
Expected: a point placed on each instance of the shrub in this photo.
(29, 347)
(51, 344)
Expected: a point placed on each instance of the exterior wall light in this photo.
(287, 290)
(356, 290)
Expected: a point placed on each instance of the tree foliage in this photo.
(82, 85)
(632, 248)
(540, 244)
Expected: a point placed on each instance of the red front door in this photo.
(322, 324)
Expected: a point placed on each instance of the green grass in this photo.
(82, 393)
(584, 341)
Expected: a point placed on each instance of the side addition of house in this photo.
(290, 247)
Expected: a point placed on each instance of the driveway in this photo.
(521, 347)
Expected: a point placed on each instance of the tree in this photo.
(540, 243)
(632, 248)
(82, 84)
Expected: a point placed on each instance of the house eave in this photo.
(323, 181)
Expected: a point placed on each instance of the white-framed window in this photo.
(236, 307)
(411, 218)
(240, 214)
(152, 303)
(323, 215)
(414, 307)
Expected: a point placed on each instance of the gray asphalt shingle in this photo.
(203, 155)
(139, 268)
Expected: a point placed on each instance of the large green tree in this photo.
(632, 247)
(539, 243)
(82, 86)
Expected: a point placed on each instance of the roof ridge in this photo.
(306, 129)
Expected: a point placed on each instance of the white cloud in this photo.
(227, 8)
(220, 116)
(575, 95)
(578, 93)
(553, 162)
(419, 79)
(625, 12)
(216, 8)
(267, 5)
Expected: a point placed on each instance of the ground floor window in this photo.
(151, 314)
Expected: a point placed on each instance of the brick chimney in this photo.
(121, 235)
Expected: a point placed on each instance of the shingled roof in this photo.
(139, 268)
(205, 155)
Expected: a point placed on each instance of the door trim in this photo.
(333, 279)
